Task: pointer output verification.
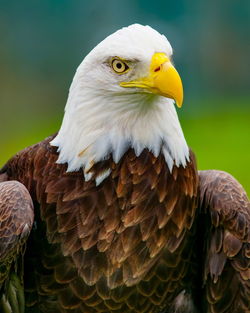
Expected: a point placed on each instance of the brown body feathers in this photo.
(144, 240)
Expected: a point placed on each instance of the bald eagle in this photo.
(110, 214)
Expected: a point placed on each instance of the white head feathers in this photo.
(103, 118)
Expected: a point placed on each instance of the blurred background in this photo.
(42, 43)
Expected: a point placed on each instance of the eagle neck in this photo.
(100, 126)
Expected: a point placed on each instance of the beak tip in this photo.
(179, 103)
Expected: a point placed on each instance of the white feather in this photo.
(99, 179)
(183, 303)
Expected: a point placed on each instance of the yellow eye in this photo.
(119, 66)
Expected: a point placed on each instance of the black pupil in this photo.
(119, 65)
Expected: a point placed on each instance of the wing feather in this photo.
(16, 220)
(227, 262)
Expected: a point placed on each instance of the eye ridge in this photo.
(119, 66)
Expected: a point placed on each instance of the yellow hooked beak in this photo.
(163, 79)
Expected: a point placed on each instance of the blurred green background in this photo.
(42, 43)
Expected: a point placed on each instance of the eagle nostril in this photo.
(157, 69)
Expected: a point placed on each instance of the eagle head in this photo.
(122, 96)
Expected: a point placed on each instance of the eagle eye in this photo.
(119, 66)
